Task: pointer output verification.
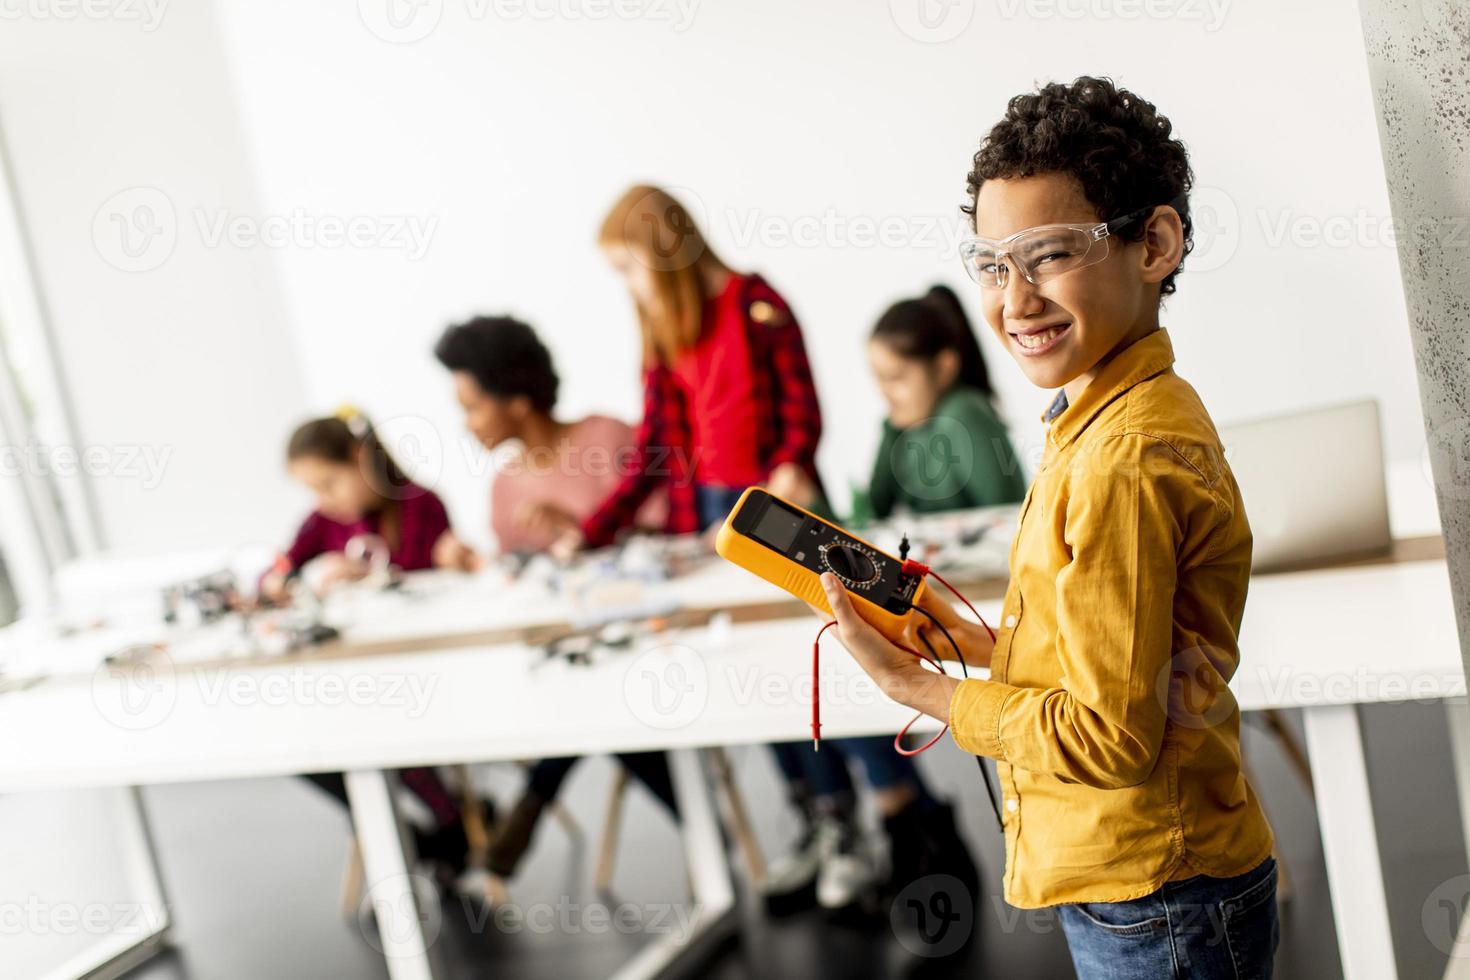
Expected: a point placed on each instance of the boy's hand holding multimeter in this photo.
(793, 548)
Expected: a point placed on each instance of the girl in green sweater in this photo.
(944, 447)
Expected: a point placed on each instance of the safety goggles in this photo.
(1045, 252)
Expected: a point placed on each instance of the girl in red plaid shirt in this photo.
(728, 398)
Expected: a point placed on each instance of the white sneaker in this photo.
(797, 869)
(848, 874)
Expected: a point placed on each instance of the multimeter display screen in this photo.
(777, 527)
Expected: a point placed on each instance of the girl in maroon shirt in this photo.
(361, 490)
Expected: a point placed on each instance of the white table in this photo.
(1323, 641)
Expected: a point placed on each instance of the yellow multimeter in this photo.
(791, 548)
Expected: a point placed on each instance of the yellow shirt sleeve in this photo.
(1132, 504)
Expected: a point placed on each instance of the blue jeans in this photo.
(714, 503)
(825, 773)
(1202, 928)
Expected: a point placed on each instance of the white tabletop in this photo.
(1374, 633)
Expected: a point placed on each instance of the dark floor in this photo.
(253, 869)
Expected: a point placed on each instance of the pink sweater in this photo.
(575, 475)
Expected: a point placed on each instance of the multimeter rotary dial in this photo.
(854, 565)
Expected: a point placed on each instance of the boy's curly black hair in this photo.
(504, 356)
(1117, 146)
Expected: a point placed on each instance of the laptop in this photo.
(1313, 482)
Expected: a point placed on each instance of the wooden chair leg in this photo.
(564, 817)
(1295, 754)
(352, 878)
(1284, 890)
(1285, 887)
(745, 839)
(475, 829)
(611, 823)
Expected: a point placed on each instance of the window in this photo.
(44, 520)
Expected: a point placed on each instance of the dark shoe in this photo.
(926, 842)
(445, 850)
(931, 873)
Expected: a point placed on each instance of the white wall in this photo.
(177, 357)
(505, 136)
(514, 134)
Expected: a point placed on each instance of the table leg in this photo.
(1349, 842)
(407, 924)
(118, 953)
(714, 915)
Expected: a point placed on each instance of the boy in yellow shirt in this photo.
(1116, 739)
